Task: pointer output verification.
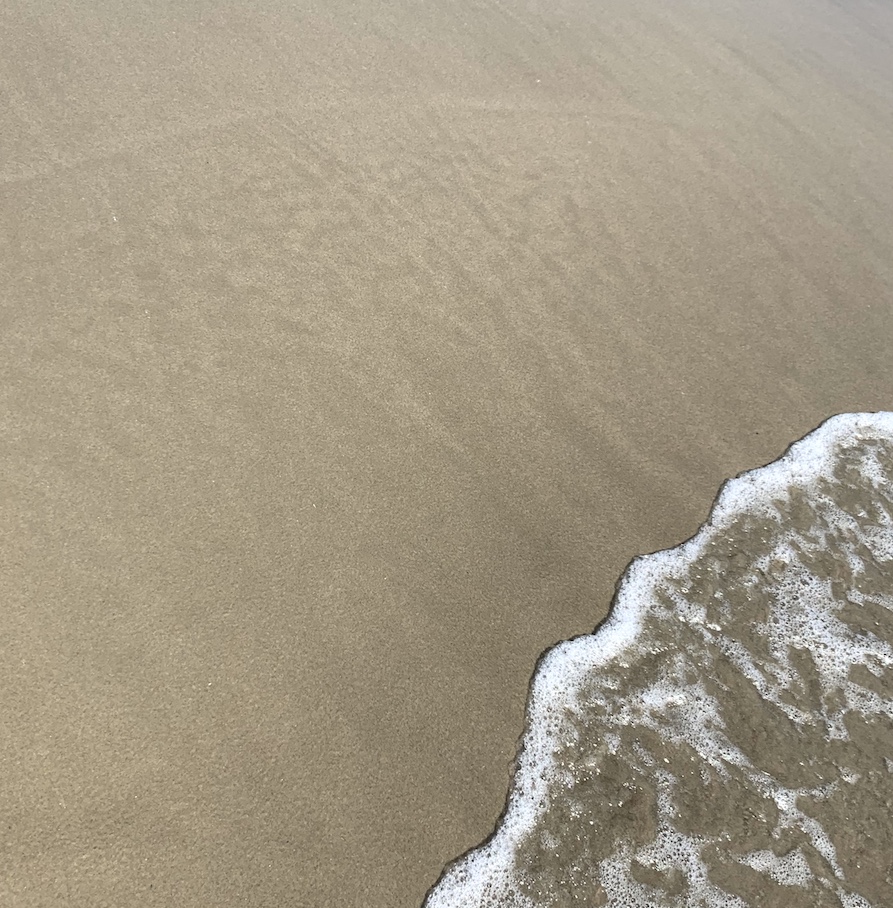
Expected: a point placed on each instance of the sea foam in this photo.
(725, 737)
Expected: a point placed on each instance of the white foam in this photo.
(681, 710)
(790, 869)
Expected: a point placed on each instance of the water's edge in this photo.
(650, 703)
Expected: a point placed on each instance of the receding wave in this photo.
(725, 738)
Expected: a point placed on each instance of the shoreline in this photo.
(573, 670)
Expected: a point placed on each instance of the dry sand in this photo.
(349, 352)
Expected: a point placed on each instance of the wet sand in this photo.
(349, 353)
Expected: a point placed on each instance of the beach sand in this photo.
(349, 353)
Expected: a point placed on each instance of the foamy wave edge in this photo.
(474, 878)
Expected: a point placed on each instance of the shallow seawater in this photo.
(725, 738)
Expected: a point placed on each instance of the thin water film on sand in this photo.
(726, 737)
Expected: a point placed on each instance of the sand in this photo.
(349, 353)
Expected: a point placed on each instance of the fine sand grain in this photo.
(349, 352)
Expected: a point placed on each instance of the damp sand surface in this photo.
(349, 353)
